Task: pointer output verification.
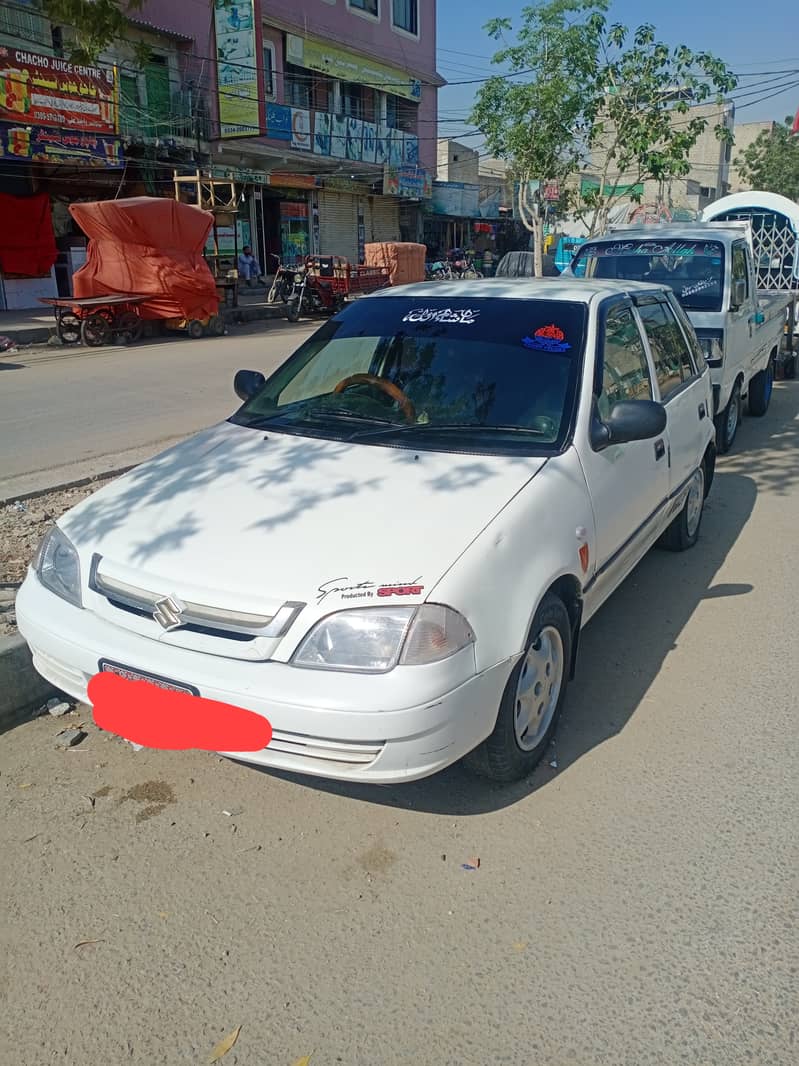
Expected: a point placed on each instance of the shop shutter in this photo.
(385, 220)
(338, 225)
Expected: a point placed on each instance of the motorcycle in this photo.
(284, 282)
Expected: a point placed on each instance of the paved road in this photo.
(66, 414)
(635, 906)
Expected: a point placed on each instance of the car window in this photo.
(625, 373)
(739, 270)
(697, 356)
(669, 351)
(486, 374)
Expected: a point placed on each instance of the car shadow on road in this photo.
(622, 651)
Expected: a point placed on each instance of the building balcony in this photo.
(185, 117)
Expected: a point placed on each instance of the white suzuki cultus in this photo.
(390, 548)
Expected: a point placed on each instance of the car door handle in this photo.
(702, 411)
(660, 449)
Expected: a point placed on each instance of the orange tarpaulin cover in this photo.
(405, 261)
(148, 246)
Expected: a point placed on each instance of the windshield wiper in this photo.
(294, 418)
(450, 426)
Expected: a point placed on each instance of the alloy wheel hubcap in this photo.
(538, 688)
(693, 506)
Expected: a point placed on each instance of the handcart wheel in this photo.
(69, 328)
(217, 326)
(95, 330)
(129, 327)
(195, 329)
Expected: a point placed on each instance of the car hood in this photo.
(309, 520)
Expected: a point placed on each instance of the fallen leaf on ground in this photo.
(520, 945)
(225, 1045)
(26, 785)
(304, 1061)
(83, 943)
(163, 914)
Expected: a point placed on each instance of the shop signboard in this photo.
(411, 149)
(300, 129)
(278, 122)
(338, 136)
(37, 89)
(322, 133)
(293, 181)
(354, 139)
(408, 182)
(342, 65)
(39, 144)
(240, 175)
(456, 198)
(237, 69)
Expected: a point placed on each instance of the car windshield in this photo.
(693, 269)
(495, 376)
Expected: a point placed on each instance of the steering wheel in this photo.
(388, 387)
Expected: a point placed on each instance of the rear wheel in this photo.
(789, 367)
(532, 701)
(95, 330)
(129, 327)
(684, 529)
(216, 327)
(195, 329)
(69, 328)
(728, 421)
(760, 388)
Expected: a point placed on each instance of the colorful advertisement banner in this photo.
(278, 122)
(300, 129)
(321, 133)
(38, 144)
(409, 182)
(38, 89)
(346, 66)
(236, 67)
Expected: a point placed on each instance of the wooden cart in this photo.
(97, 320)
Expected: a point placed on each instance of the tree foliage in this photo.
(92, 25)
(772, 162)
(597, 96)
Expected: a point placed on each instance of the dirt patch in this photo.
(22, 525)
(155, 795)
(377, 860)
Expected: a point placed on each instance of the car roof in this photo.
(581, 290)
(688, 232)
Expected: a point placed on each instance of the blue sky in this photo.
(754, 37)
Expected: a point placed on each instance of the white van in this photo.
(710, 268)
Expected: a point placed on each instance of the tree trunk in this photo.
(538, 248)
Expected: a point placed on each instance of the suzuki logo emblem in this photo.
(167, 613)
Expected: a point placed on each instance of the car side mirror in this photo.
(628, 421)
(738, 293)
(247, 383)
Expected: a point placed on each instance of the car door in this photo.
(628, 483)
(680, 388)
(738, 341)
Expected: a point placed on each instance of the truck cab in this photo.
(710, 268)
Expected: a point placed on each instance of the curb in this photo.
(22, 690)
(77, 483)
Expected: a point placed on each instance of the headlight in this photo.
(712, 344)
(376, 639)
(58, 568)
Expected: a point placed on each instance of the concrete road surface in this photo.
(69, 413)
(635, 906)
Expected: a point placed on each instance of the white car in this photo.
(390, 549)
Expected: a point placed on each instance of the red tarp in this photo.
(148, 246)
(27, 241)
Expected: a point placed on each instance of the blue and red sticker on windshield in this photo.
(547, 339)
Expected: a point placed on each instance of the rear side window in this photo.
(670, 353)
(625, 373)
(739, 268)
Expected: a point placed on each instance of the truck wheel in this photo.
(728, 421)
(532, 700)
(684, 529)
(760, 388)
(789, 367)
(195, 329)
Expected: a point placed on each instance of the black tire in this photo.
(789, 368)
(683, 532)
(69, 328)
(293, 309)
(95, 330)
(216, 327)
(760, 388)
(195, 329)
(726, 425)
(129, 327)
(500, 757)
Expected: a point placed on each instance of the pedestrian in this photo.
(249, 268)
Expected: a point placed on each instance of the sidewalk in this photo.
(37, 325)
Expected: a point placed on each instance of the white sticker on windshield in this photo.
(463, 317)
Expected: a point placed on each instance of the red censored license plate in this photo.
(108, 667)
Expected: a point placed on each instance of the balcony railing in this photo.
(186, 117)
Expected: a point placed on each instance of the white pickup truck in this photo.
(390, 549)
(710, 268)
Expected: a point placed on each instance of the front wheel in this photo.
(532, 701)
(683, 532)
(95, 331)
(760, 388)
(728, 421)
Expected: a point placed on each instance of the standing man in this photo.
(249, 269)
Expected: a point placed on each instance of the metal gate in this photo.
(338, 225)
(385, 225)
(776, 247)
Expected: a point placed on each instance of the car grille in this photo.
(181, 619)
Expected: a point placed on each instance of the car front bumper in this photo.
(386, 728)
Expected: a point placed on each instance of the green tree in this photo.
(598, 96)
(772, 162)
(91, 25)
